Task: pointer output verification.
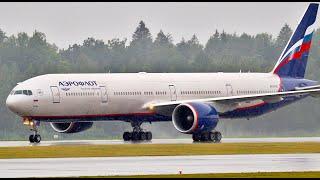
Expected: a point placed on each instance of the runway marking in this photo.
(103, 166)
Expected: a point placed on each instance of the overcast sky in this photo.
(68, 23)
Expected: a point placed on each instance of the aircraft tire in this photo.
(149, 136)
(196, 137)
(142, 136)
(212, 136)
(127, 136)
(37, 138)
(205, 136)
(135, 136)
(31, 138)
(218, 137)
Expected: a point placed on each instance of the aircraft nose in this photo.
(15, 105)
(11, 103)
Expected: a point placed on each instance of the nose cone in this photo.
(17, 105)
(11, 103)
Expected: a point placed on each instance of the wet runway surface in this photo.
(63, 167)
(155, 141)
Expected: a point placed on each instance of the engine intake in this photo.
(194, 117)
(72, 127)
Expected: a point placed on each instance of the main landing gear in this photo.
(207, 137)
(35, 137)
(137, 134)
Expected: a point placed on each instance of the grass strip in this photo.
(62, 151)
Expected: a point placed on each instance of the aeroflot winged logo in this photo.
(66, 84)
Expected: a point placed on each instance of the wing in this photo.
(267, 97)
(308, 87)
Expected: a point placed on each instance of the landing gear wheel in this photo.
(37, 138)
(212, 136)
(127, 136)
(196, 137)
(135, 136)
(149, 135)
(218, 137)
(142, 136)
(205, 136)
(31, 138)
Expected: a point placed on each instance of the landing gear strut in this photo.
(137, 134)
(207, 137)
(35, 137)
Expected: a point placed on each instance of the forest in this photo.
(23, 56)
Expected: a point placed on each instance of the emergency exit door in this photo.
(173, 93)
(104, 94)
(229, 90)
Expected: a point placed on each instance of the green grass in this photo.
(60, 151)
(309, 174)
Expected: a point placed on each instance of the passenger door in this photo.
(104, 94)
(55, 94)
(173, 93)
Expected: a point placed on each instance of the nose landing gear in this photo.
(35, 137)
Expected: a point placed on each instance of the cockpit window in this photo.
(12, 92)
(25, 92)
(18, 92)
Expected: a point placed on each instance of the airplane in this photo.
(193, 102)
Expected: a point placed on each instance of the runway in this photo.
(65, 167)
(156, 141)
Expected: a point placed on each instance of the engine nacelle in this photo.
(194, 117)
(72, 127)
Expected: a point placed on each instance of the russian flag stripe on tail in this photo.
(293, 60)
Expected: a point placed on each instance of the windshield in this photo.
(25, 92)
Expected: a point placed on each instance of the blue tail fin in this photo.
(293, 60)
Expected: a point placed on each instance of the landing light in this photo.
(151, 107)
(27, 122)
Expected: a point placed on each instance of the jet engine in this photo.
(72, 127)
(194, 117)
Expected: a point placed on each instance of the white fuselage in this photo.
(70, 95)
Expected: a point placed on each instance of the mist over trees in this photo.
(23, 56)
